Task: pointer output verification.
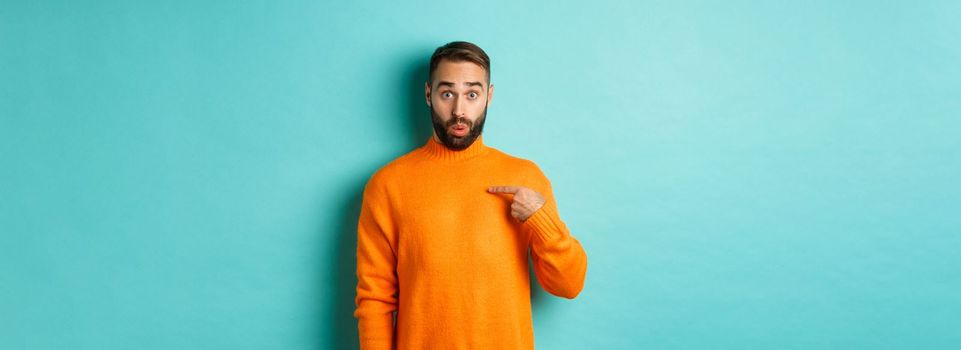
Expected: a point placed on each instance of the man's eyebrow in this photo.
(451, 84)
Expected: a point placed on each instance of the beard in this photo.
(457, 143)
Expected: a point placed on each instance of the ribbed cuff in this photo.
(376, 332)
(546, 224)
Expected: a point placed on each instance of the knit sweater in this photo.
(447, 256)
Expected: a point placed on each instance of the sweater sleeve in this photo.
(376, 299)
(559, 259)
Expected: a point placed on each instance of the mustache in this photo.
(460, 120)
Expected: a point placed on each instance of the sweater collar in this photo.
(437, 150)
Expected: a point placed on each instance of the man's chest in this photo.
(441, 219)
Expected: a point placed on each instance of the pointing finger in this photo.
(503, 189)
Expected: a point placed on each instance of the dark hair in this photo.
(460, 51)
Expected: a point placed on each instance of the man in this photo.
(445, 230)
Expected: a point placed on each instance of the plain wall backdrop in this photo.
(742, 174)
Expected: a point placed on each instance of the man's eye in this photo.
(446, 95)
(472, 95)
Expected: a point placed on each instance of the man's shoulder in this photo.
(391, 170)
(515, 162)
(531, 174)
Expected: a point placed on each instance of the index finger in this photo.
(503, 189)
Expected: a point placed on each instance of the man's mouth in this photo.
(459, 130)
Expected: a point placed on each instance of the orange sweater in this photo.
(446, 255)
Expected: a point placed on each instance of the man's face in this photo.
(458, 98)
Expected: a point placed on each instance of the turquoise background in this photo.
(742, 175)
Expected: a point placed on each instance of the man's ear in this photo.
(427, 93)
(490, 94)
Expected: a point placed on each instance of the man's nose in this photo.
(458, 110)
